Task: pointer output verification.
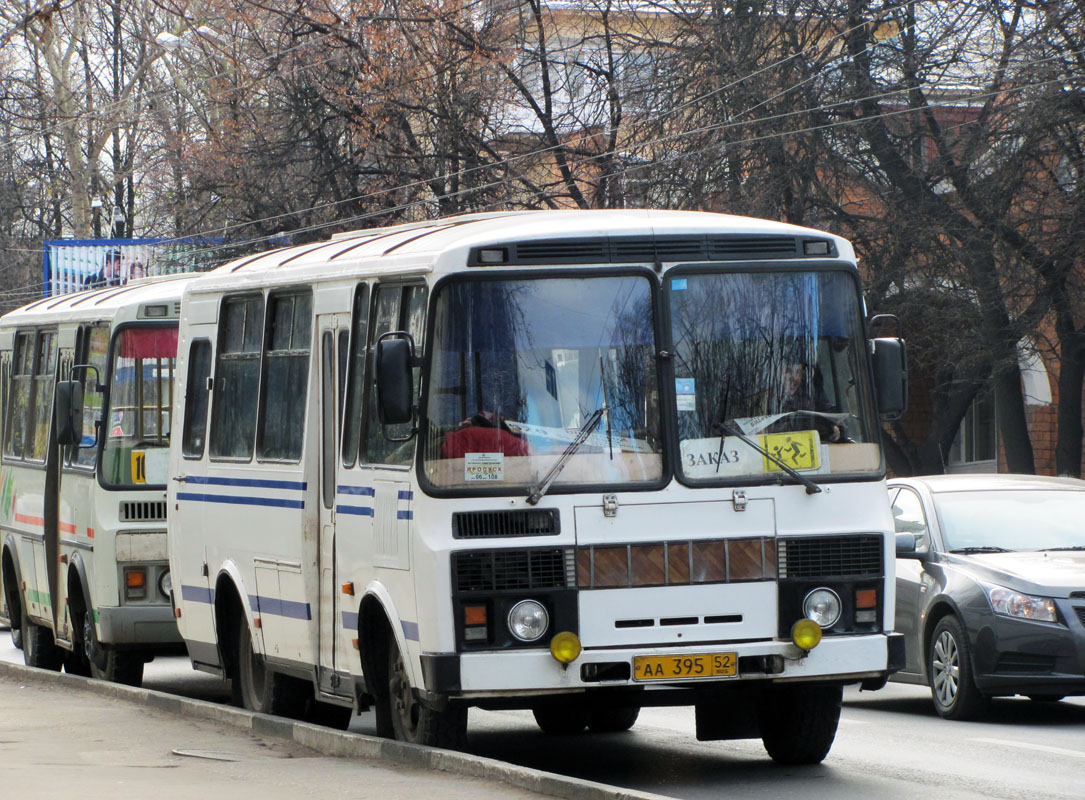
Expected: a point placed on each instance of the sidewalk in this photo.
(66, 736)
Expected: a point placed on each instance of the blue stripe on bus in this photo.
(256, 483)
(350, 620)
(240, 501)
(359, 511)
(406, 494)
(410, 630)
(404, 515)
(280, 608)
(197, 594)
(368, 491)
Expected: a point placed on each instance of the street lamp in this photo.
(116, 226)
(96, 216)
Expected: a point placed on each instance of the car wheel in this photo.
(949, 671)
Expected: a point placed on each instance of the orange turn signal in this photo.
(866, 598)
(474, 615)
(134, 578)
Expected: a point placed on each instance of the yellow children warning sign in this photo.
(797, 449)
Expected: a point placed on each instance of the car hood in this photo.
(1055, 573)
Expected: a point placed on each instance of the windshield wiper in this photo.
(811, 487)
(582, 436)
(983, 549)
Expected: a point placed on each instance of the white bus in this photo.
(87, 388)
(578, 462)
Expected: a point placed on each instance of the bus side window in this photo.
(237, 378)
(196, 399)
(282, 407)
(352, 415)
(18, 402)
(397, 308)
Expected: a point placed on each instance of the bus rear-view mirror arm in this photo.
(395, 382)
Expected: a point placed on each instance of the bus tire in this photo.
(107, 663)
(262, 690)
(561, 717)
(414, 722)
(39, 649)
(798, 723)
(613, 720)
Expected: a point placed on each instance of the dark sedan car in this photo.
(991, 587)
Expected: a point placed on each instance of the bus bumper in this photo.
(136, 625)
(843, 659)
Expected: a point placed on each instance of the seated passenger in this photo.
(482, 433)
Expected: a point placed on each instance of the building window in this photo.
(976, 447)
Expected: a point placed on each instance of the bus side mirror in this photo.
(69, 412)
(395, 384)
(891, 377)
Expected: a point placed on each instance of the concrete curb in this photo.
(340, 744)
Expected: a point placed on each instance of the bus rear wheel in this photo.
(39, 649)
(262, 690)
(798, 723)
(414, 722)
(106, 663)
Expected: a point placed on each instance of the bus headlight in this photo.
(165, 583)
(822, 606)
(528, 620)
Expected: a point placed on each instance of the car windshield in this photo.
(137, 421)
(519, 369)
(772, 359)
(1021, 519)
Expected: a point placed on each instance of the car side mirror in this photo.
(69, 412)
(395, 384)
(908, 546)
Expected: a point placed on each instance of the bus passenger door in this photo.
(329, 402)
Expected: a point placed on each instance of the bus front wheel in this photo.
(107, 663)
(414, 722)
(798, 723)
(262, 690)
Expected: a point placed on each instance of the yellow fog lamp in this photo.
(565, 647)
(806, 634)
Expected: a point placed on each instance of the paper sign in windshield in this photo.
(483, 467)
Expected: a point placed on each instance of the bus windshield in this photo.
(522, 369)
(768, 373)
(136, 424)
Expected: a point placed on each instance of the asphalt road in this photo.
(890, 745)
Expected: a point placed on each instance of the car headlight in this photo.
(1009, 603)
(528, 620)
(822, 606)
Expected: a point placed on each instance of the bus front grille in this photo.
(517, 522)
(143, 511)
(512, 570)
(830, 557)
